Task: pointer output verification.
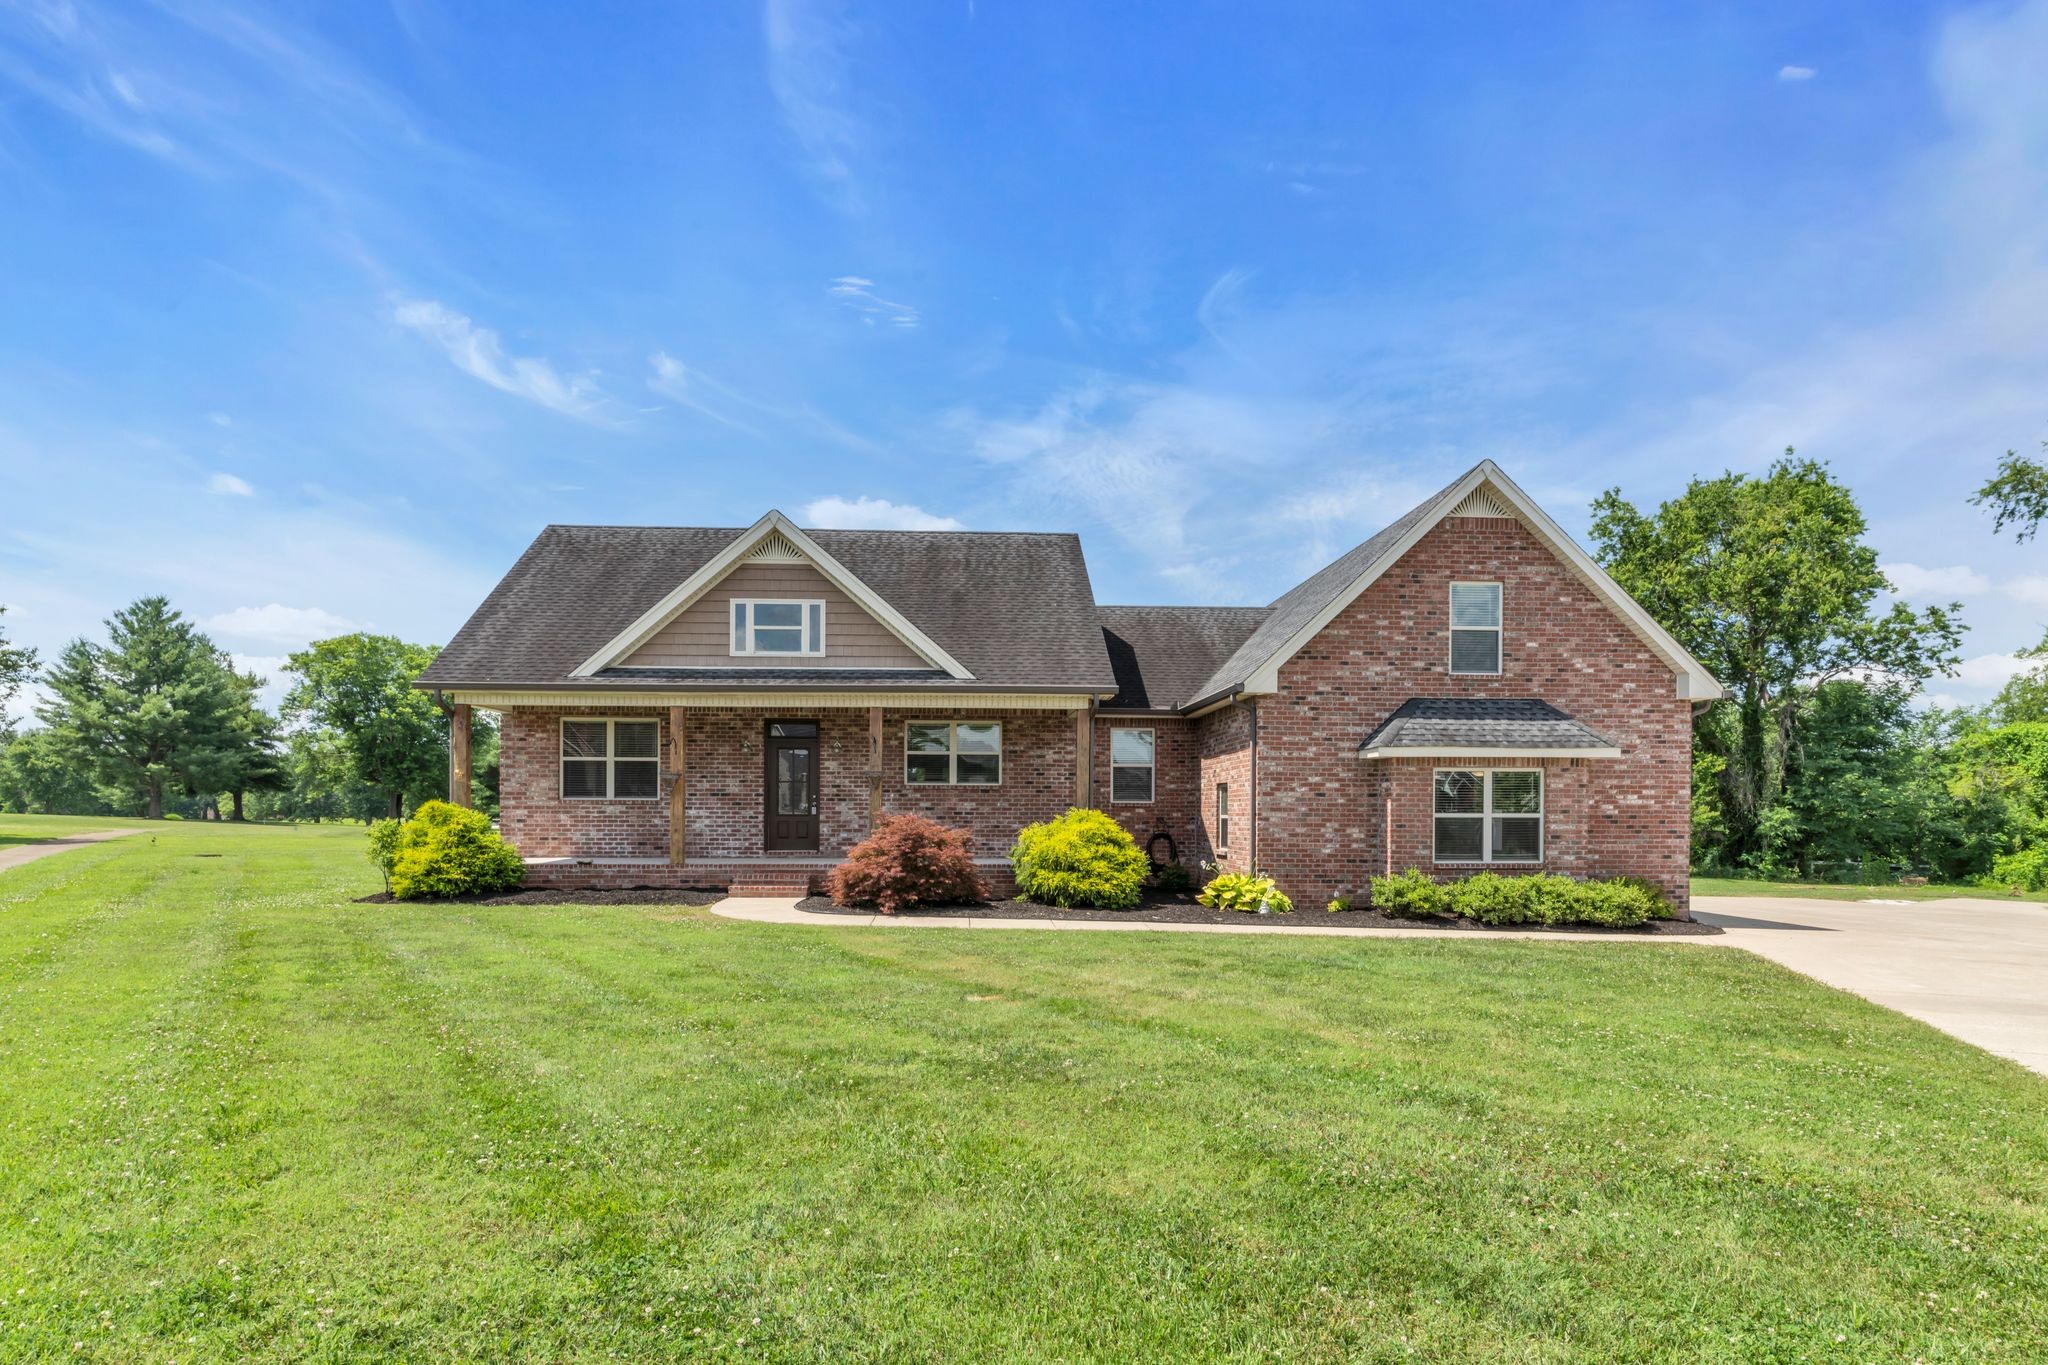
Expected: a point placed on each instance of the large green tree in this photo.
(2017, 494)
(360, 687)
(17, 666)
(40, 776)
(154, 707)
(254, 761)
(1768, 581)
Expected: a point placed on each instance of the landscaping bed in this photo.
(1181, 909)
(636, 895)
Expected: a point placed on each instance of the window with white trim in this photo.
(1131, 771)
(953, 753)
(1475, 627)
(1489, 816)
(610, 760)
(1223, 817)
(773, 626)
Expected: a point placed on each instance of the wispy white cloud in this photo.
(220, 419)
(477, 352)
(1796, 73)
(276, 623)
(229, 486)
(874, 514)
(2031, 589)
(858, 294)
(808, 74)
(1957, 580)
(715, 399)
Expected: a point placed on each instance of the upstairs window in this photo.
(950, 753)
(1489, 817)
(1130, 766)
(763, 626)
(615, 760)
(1475, 627)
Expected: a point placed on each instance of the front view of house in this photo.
(1466, 690)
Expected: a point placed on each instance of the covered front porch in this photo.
(766, 794)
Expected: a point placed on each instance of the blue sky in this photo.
(313, 316)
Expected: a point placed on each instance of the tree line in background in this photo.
(1816, 764)
(156, 721)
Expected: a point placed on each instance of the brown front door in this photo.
(791, 748)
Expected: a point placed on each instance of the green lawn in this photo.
(1737, 886)
(243, 1117)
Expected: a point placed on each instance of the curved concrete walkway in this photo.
(43, 848)
(783, 910)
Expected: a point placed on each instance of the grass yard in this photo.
(1833, 891)
(240, 1116)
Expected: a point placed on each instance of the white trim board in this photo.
(764, 698)
(719, 565)
(1693, 681)
(1438, 751)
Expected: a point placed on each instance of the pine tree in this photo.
(153, 707)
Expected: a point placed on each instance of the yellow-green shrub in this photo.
(1080, 858)
(445, 850)
(1243, 891)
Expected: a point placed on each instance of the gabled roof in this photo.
(1014, 610)
(773, 533)
(1298, 614)
(1470, 727)
(1162, 654)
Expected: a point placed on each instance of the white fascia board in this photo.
(1466, 751)
(937, 701)
(1692, 681)
(719, 565)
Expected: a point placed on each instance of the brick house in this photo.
(1465, 690)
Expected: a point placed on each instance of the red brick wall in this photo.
(1324, 813)
(723, 797)
(1223, 747)
(1173, 804)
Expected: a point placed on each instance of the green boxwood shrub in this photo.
(1172, 878)
(1243, 891)
(1410, 895)
(1534, 898)
(1080, 858)
(444, 850)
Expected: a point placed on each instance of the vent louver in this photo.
(1483, 502)
(775, 549)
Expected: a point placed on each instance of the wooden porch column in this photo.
(458, 755)
(677, 757)
(1084, 755)
(875, 769)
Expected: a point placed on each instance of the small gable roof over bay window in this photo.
(1483, 727)
(973, 610)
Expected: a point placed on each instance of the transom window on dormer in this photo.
(766, 626)
(1475, 627)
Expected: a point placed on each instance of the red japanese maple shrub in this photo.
(908, 861)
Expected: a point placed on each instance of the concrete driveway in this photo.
(1976, 969)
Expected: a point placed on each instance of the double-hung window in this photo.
(1489, 816)
(762, 626)
(1223, 817)
(618, 760)
(1130, 766)
(948, 753)
(1475, 627)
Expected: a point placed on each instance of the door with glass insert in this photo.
(791, 795)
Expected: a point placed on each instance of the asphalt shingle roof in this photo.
(1480, 723)
(1015, 608)
(1162, 654)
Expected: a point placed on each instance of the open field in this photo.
(241, 1116)
(1740, 886)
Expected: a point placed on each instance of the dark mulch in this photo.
(638, 895)
(1156, 909)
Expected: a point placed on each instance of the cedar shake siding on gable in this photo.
(701, 637)
(1328, 820)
